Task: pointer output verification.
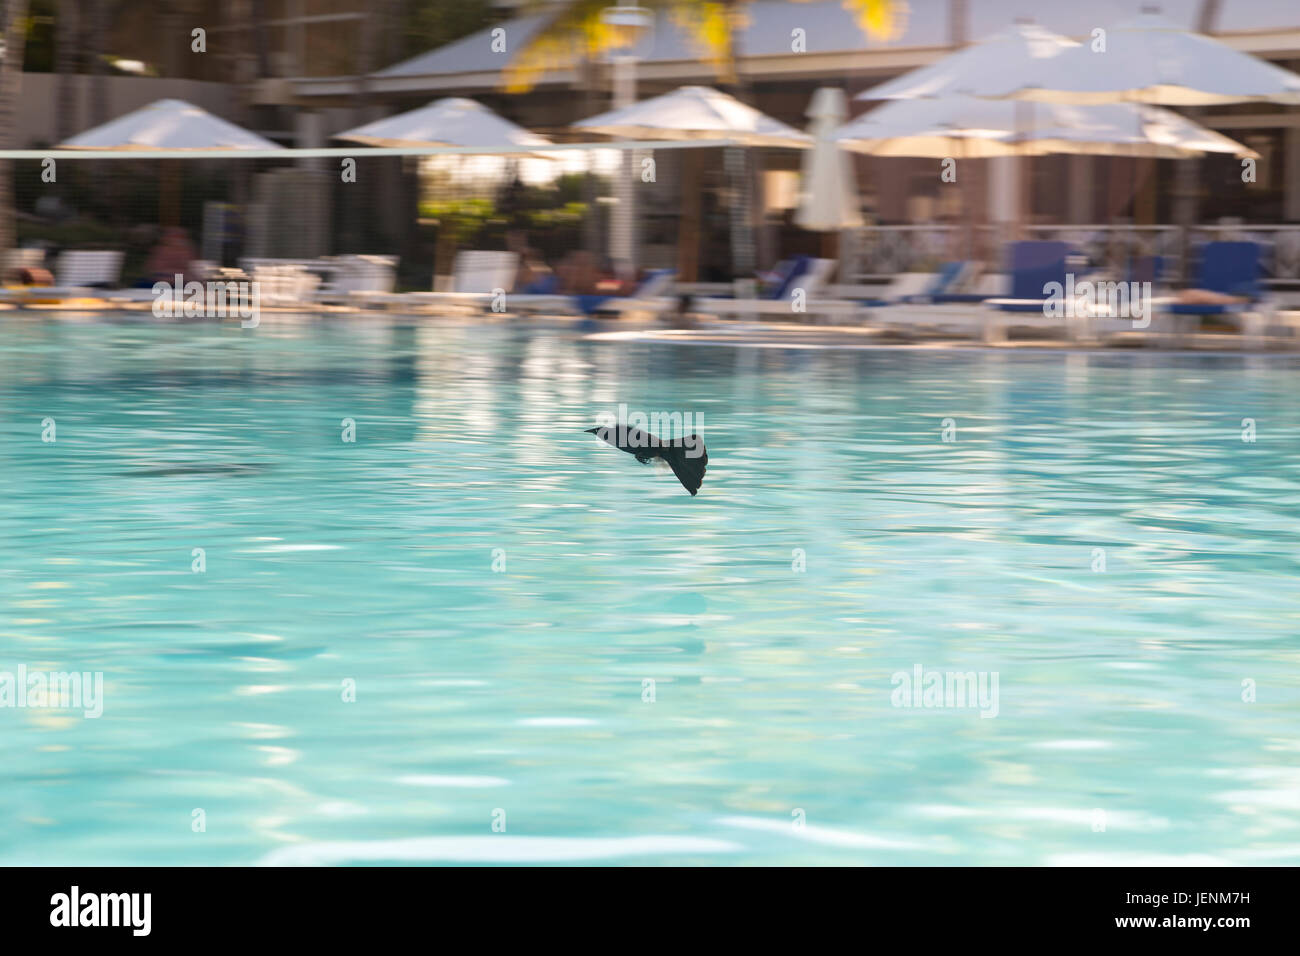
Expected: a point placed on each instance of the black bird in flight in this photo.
(685, 456)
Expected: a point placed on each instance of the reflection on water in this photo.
(550, 637)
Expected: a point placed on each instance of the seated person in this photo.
(171, 257)
(1208, 297)
(532, 275)
(578, 273)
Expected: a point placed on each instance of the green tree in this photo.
(429, 24)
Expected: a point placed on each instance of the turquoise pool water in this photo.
(519, 697)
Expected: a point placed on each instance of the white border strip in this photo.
(355, 152)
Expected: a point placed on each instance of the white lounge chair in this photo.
(285, 284)
(364, 274)
(479, 279)
(80, 273)
(902, 311)
(798, 297)
(89, 269)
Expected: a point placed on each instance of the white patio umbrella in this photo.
(694, 112)
(168, 124)
(1148, 59)
(977, 129)
(691, 112)
(1015, 57)
(828, 198)
(454, 121)
(969, 128)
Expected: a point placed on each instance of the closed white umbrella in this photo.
(691, 112)
(828, 197)
(1148, 59)
(976, 129)
(454, 121)
(168, 124)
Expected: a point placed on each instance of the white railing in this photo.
(874, 253)
(1113, 247)
(878, 252)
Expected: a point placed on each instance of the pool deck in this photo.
(860, 333)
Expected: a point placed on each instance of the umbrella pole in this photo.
(967, 217)
(1133, 219)
(1025, 208)
(169, 195)
(1021, 190)
(688, 234)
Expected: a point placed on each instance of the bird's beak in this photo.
(592, 431)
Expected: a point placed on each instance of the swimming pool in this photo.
(475, 633)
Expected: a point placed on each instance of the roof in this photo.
(832, 38)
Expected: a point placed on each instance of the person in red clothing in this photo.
(172, 256)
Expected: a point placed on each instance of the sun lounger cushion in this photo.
(1231, 268)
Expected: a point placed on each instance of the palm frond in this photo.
(881, 20)
(709, 25)
(576, 32)
(573, 34)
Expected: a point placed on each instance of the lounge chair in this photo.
(803, 287)
(949, 312)
(79, 274)
(479, 278)
(905, 288)
(1033, 266)
(358, 280)
(87, 269)
(1228, 268)
(650, 296)
(971, 287)
(939, 286)
(944, 287)
(288, 284)
(1138, 269)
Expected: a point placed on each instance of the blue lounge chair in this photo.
(1227, 267)
(1231, 268)
(1034, 265)
(783, 276)
(654, 286)
(650, 296)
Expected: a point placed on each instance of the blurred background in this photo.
(299, 71)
